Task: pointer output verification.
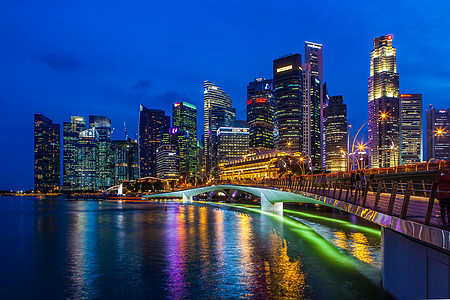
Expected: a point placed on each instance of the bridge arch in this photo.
(271, 200)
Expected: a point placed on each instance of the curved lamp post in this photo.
(381, 117)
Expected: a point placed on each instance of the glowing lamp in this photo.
(389, 37)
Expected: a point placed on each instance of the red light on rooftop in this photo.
(249, 102)
(389, 37)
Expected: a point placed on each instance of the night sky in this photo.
(63, 58)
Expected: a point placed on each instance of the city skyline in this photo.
(56, 81)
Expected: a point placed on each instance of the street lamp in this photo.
(382, 116)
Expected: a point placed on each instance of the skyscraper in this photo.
(260, 110)
(126, 160)
(71, 134)
(312, 117)
(46, 154)
(150, 123)
(184, 117)
(232, 142)
(336, 134)
(105, 151)
(438, 134)
(411, 137)
(218, 112)
(87, 168)
(313, 57)
(383, 99)
(167, 162)
(288, 93)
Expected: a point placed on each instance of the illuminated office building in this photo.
(71, 134)
(260, 110)
(232, 142)
(46, 154)
(87, 168)
(312, 117)
(288, 93)
(383, 99)
(218, 112)
(313, 57)
(438, 134)
(336, 135)
(167, 162)
(105, 151)
(150, 123)
(184, 117)
(411, 142)
(126, 160)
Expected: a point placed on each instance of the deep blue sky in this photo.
(63, 58)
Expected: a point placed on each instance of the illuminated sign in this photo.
(239, 130)
(78, 119)
(174, 130)
(261, 100)
(284, 68)
(249, 102)
(405, 95)
(443, 111)
(177, 104)
(267, 86)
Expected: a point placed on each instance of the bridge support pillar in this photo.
(266, 205)
(412, 269)
(186, 198)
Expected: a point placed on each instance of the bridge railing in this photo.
(410, 200)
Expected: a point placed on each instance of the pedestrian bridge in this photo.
(271, 199)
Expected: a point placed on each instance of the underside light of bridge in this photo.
(340, 222)
(320, 245)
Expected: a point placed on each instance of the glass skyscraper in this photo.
(312, 117)
(438, 134)
(313, 57)
(150, 123)
(218, 112)
(336, 134)
(383, 99)
(184, 117)
(260, 110)
(411, 137)
(71, 135)
(126, 160)
(87, 167)
(288, 93)
(105, 151)
(46, 154)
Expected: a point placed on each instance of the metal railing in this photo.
(410, 200)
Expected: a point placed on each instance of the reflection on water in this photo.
(111, 250)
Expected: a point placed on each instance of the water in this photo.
(52, 248)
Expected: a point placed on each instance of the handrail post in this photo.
(358, 188)
(406, 200)
(334, 189)
(340, 189)
(431, 203)
(392, 199)
(329, 187)
(377, 196)
(363, 202)
(348, 190)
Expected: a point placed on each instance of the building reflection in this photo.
(82, 266)
(357, 244)
(176, 242)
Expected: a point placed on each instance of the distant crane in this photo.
(125, 127)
